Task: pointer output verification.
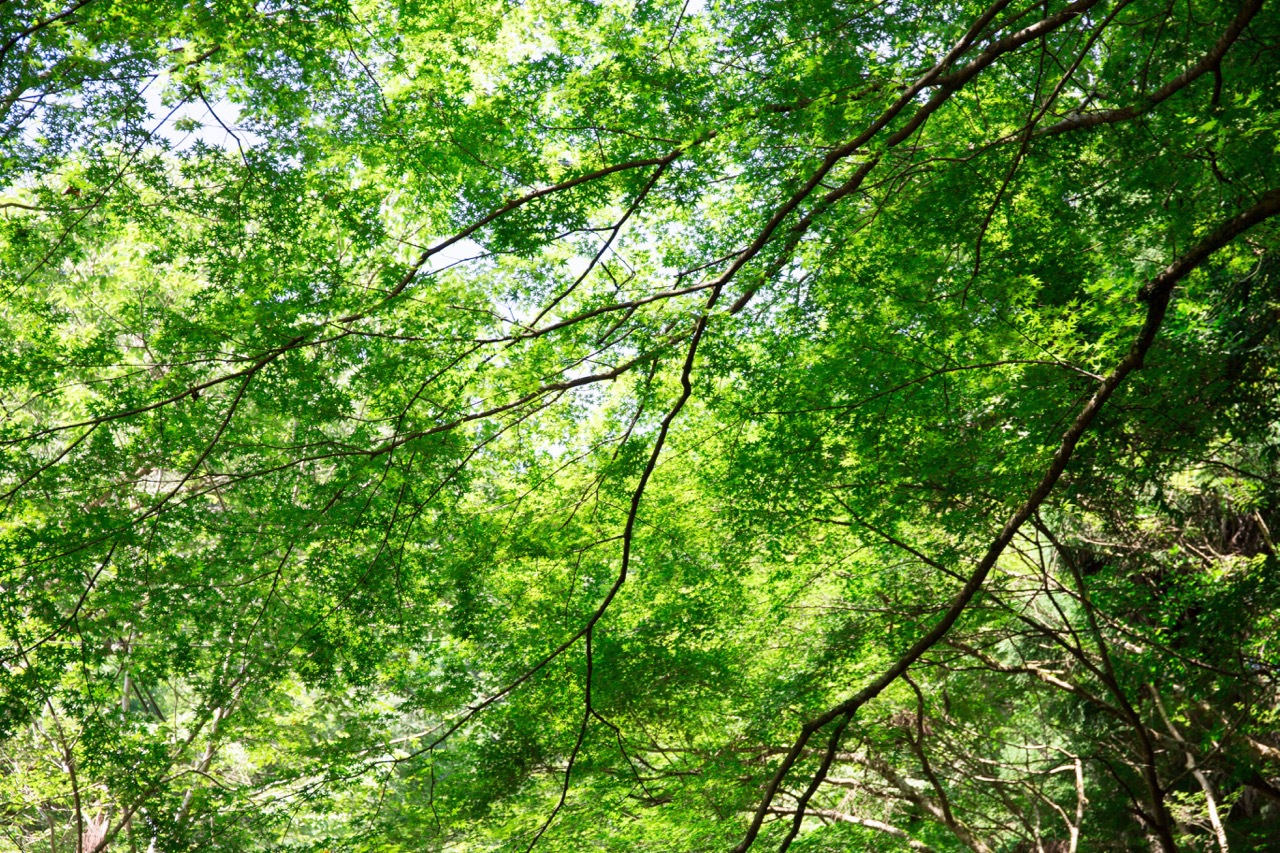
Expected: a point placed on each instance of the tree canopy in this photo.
(573, 425)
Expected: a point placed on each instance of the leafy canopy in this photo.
(576, 425)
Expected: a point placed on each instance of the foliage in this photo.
(582, 425)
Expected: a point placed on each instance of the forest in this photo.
(639, 425)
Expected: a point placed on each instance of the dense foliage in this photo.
(642, 426)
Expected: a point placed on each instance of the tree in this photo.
(639, 426)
